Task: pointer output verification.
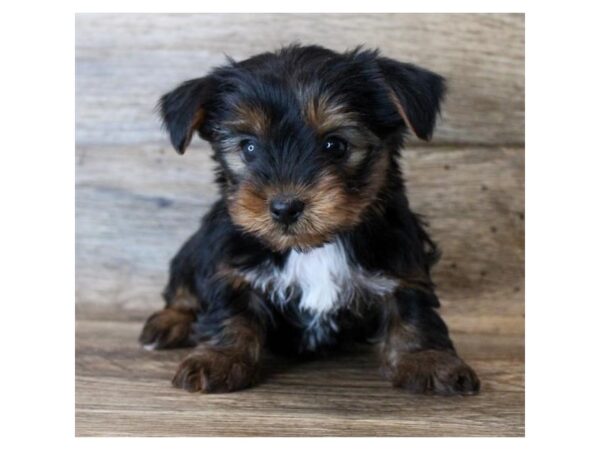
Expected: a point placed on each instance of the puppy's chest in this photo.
(320, 281)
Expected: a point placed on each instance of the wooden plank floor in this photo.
(122, 390)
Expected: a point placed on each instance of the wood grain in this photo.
(122, 390)
(126, 61)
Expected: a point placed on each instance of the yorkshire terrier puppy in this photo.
(312, 242)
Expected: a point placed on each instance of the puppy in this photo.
(312, 242)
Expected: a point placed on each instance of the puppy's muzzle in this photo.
(286, 209)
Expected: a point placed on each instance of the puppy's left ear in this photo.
(184, 110)
(416, 93)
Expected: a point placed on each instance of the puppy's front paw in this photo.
(215, 370)
(433, 372)
(169, 328)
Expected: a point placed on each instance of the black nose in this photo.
(286, 210)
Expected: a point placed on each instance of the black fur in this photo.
(387, 239)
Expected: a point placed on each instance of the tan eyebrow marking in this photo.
(250, 119)
(323, 112)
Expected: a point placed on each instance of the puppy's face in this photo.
(304, 137)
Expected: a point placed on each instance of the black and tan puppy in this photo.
(312, 242)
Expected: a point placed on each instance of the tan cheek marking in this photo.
(357, 155)
(328, 202)
(332, 207)
(248, 209)
(234, 161)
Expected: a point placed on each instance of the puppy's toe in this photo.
(169, 328)
(462, 380)
(209, 371)
(434, 372)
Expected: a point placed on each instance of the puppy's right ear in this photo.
(183, 110)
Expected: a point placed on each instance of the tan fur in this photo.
(401, 338)
(228, 362)
(243, 334)
(325, 114)
(329, 209)
(434, 371)
(232, 276)
(249, 119)
(401, 111)
(168, 328)
(234, 161)
(183, 298)
(197, 122)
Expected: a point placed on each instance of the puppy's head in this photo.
(304, 137)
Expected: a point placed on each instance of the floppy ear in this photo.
(183, 110)
(416, 93)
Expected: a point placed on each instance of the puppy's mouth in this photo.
(301, 233)
(288, 230)
(297, 217)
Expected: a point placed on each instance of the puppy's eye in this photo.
(335, 146)
(249, 149)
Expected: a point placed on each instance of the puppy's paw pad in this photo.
(434, 372)
(168, 328)
(209, 370)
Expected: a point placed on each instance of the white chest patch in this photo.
(323, 279)
(321, 275)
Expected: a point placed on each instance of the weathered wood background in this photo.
(124, 62)
(136, 201)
